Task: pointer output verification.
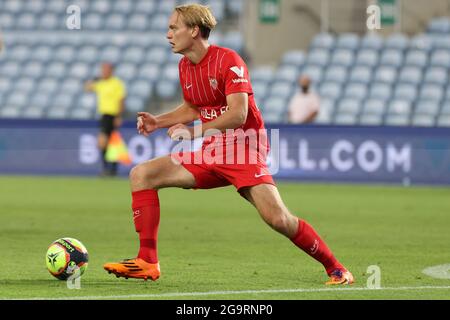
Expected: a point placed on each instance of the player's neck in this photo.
(198, 51)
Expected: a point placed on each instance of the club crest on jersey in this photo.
(213, 83)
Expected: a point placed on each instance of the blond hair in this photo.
(197, 15)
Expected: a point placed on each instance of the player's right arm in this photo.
(184, 113)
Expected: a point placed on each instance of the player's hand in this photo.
(118, 122)
(180, 132)
(146, 123)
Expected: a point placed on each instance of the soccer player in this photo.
(216, 89)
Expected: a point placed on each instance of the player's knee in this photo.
(278, 220)
(141, 175)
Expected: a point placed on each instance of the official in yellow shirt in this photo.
(111, 94)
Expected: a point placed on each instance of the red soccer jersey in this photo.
(220, 73)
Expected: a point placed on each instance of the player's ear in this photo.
(195, 31)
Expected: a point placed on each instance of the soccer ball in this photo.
(66, 257)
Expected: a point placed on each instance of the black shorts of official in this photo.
(107, 124)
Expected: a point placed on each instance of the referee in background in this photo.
(111, 94)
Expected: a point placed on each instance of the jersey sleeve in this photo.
(235, 73)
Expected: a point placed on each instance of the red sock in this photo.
(309, 241)
(146, 220)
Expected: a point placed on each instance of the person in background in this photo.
(304, 105)
(111, 94)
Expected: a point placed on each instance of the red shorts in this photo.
(214, 175)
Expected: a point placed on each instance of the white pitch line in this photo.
(222, 293)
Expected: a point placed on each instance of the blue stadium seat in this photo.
(56, 70)
(260, 89)
(166, 89)
(430, 107)
(262, 73)
(100, 6)
(145, 6)
(399, 107)
(347, 41)
(43, 54)
(141, 88)
(356, 91)
(382, 91)
(49, 21)
(323, 41)
(81, 114)
(349, 106)
(149, 71)
(7, 21)
(416, 58)
(166, 6)
(436, 75)
(10, 112)
(423, 120)
(111, 54)
(391, 57)
(345, 119)
(367, 57)
(88, 54)
(397, 41)
(170, 72)
(159, 22)
(287, 73)
(442, 42)
(93, 21)
(40, 100)
(57, 112)
(133, 54)
(24, 84)
(17, 98)
(326, 112)
(32, 69)
(319, 57)
(116, 21)
(431, 92)
(372, 42)
(10, 69)
(275, 104)
(313, 72)
(63, 100)
(397, 120)
(19, 53)
(336, 73)
(32, 112)
(71, 86)
(65, 54)
(126, 7)
(386, 74)
(48, 85)
(361, 74)
(412, 75)
(5, 84)
(405, 91)
(445, 108)
(88, 101)
(26, 21)
(233, 40)
(281, 89)
(294, 58)
(371, 119)
(36, 6)
(439, 25)
(422, 42)
(157, 55)
(342, 57)
(374, 106)
(440, 58)
(80, 71)
(443, 121)
(56, 6)
(330, 90)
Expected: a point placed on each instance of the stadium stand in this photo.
(368, 80)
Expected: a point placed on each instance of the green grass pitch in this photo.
(213, 245)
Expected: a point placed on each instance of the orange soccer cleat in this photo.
(134, 268)
(340, 276)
